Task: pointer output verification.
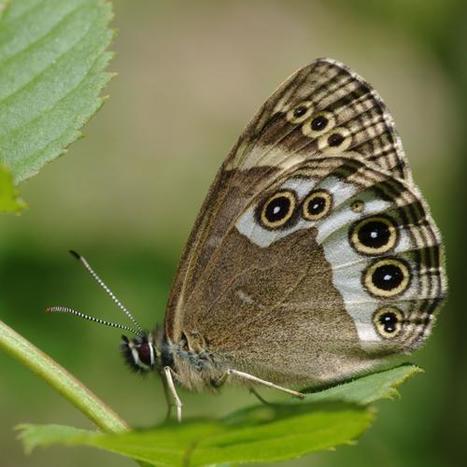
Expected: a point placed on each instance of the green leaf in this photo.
(9, 198)
(264, 433)
(368, 389)
(37, 435)
(165, 445)
(52, 69)
(277, 434)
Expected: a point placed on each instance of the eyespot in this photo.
(335, 142)
(319, 124)
(278, 209)
(387, 277)
(316, 205)
(387, 321)
(357, 206)
(374, 235)
(300, 112)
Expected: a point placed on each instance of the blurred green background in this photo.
(190, 76)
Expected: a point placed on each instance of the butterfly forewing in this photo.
(324, 108)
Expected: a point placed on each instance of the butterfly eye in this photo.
(317, 205)
(388, 321)
(374, 235)
(335, 142)
(387, 277)
(278, 209)
(319, 124)
(300, 112)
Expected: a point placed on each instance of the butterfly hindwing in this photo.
(336, 265)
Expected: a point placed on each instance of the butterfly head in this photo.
(141, 353)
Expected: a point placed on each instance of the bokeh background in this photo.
(190, 76)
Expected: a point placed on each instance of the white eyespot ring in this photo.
(319, 124)
(387, 277)
(300, 112)
(316, 205)
(278, 209)
(374, 235)
(336, 141)
(387, 321)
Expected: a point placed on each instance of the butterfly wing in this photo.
(324, 108)
(333, 267)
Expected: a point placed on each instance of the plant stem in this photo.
(60, 380)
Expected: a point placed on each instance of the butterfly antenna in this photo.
(64, 309)
(117, 302)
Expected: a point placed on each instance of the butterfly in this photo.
(314, 257)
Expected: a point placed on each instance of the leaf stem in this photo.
(60, 380)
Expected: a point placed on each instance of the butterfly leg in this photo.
(217, 383)
(168, 399)
(168, 373)
(259, 396)
(268, 384)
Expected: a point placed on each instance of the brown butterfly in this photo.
(314, 256)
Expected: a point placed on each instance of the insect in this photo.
(314, 257)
